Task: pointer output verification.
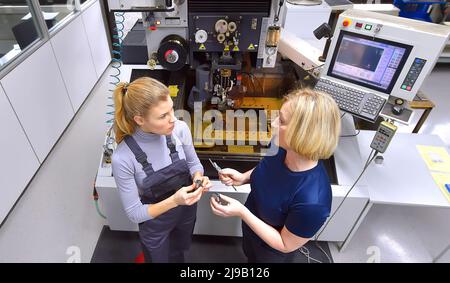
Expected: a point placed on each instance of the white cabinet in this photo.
(19, 163)
(38, 96)
(96, 33)
(75, 61)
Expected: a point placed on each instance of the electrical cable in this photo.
(280, 5)
(313, 68)
(370, 158)
(305, 251)
(349, 136)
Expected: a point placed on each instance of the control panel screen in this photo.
(366, 61)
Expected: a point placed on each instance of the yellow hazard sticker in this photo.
(236, 48)
(251, 47)
(227, 48)
(173, 90)
(202, 47)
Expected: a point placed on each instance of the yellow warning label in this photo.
(251, 47)
(236, 48)
(240, 149)
(227, 48)
(173, 90)
(202, 47)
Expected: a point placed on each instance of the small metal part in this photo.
(198, 183)
(220, 37)
(232, 27)
(218, 169)
(273, 36)
(379, 159)
(151, 64)
(220, 200)
(226, 73)
(201, 36)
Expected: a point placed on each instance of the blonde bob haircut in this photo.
(315, 125)
(135, 99)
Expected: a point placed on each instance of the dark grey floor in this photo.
(116, 246)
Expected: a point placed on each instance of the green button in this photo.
(403, 86)
(368, 27)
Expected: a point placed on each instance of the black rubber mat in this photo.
(116, 247)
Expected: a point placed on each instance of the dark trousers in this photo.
(167, 237)
(257, 251)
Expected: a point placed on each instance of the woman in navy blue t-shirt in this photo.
(290, 196)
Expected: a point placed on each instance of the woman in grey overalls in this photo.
(158, 174)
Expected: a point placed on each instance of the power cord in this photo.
(349, 136)
(370, 158)
(313, 68)
(280, 5)
(305, 251)
(354, 135)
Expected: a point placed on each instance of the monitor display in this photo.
(366, 61)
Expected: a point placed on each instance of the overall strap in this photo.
(139, 154)
(173, 151)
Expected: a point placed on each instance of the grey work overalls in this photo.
(166, 237)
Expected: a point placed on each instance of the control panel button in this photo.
(346, 22)
(368, 27)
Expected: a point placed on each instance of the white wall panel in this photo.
(18, 159)
(39, 97)
(75, 61)
(98, 40)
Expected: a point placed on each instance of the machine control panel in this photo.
(413, 74)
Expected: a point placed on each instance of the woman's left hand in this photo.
(233, 208)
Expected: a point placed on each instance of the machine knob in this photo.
(221, 26)
(171, 56)
(201, 36)
(232, 27)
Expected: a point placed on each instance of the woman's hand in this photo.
(186, 195)
(231, 177)
(206, 183)
(233, 208)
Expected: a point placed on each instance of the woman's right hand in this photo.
(230, 177)
(185, 195)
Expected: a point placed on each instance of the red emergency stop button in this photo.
(346, 22)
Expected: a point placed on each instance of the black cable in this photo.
(277, 17)
(349, 136)
(354, 135)
(369, 160)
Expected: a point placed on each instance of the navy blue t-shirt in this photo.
(301, 201)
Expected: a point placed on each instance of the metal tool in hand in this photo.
(220, 200)
(198, 183)
(218, 169)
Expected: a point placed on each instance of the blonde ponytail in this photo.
(135, 99)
